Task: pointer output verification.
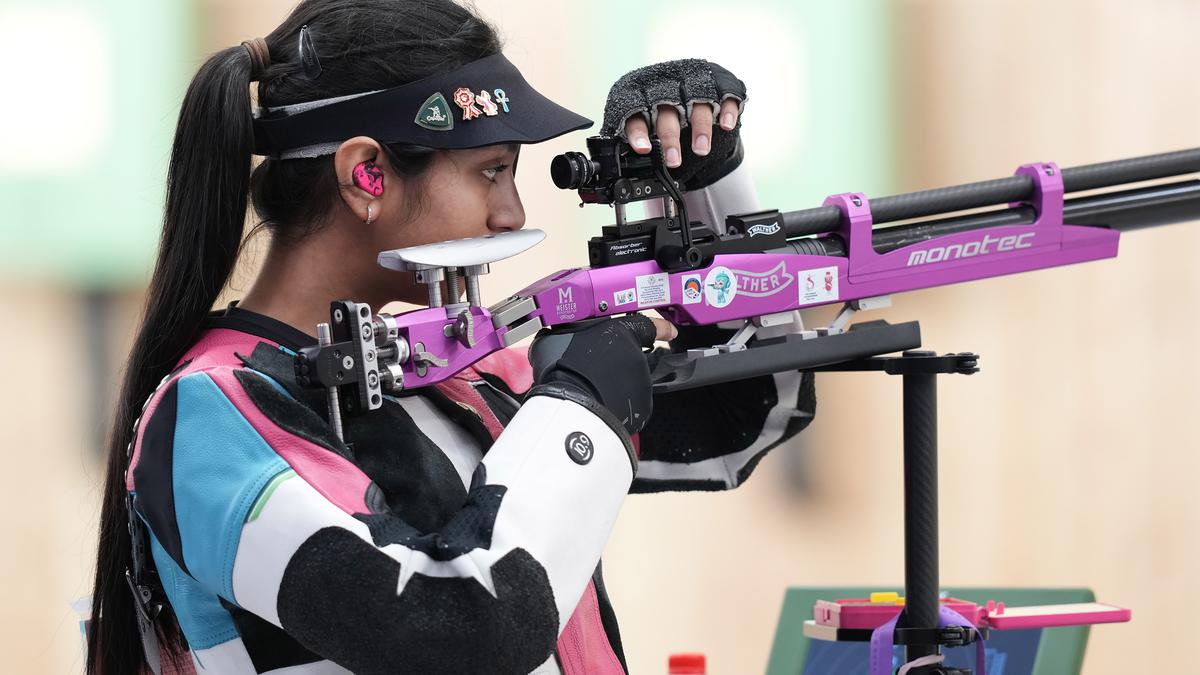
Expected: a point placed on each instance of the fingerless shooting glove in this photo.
(600, 365)
(681, 84)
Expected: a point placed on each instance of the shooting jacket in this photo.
(455, 533)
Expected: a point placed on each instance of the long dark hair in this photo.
(363, 45)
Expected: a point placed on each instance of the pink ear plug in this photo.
(369, 178)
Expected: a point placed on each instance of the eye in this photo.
(490, 173)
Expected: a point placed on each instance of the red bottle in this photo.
(686, 664)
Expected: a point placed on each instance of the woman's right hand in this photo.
(603, 362)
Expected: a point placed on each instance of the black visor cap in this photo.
(504, 108)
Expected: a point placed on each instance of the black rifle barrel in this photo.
(999, 191)
(1124, 210)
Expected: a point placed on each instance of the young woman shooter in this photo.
(456, 535)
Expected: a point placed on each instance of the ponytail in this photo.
(207, 186)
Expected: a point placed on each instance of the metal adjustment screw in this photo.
(432, 277)
(464, 329)
(856, 200)
(348, 362)
(367, 331)
(324, 339)
(452, 286)
(603, 306)
(338, 315)
(372, 379)
(472, 274)
(371, 355)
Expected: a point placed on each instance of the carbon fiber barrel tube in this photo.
(1149, 167)
(811, 221)
(1123, 211)
(999, 191)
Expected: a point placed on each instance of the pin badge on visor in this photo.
(485, 102)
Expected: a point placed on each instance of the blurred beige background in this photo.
(1069, 460)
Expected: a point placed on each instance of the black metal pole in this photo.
(921, 605)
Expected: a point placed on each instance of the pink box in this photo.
(863, 614)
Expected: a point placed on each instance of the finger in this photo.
(667, 128)
(644, 330)
(664, 330)
(729, 114)
(638, 134)
(702, 122)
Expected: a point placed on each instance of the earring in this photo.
(370, 217)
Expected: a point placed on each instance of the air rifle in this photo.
(751, 272)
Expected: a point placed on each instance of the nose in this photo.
(506, 214)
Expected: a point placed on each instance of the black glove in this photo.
(681, 84)
(599, 364)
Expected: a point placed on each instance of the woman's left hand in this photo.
(669, 130)
(657, 98)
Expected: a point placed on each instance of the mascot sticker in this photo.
(720, 286)
(818, 285)
(693, 289)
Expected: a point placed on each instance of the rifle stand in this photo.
(919, 370)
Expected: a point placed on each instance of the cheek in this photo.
(453, 205)
(456, 214)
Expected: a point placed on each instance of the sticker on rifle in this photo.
(652, 290)
(720, 287)
(625, 297)
(566, 306)
(693, 289)
(818, 285)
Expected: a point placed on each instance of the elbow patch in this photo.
(467, 530)
(338, 597)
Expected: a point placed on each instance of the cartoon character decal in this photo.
(720, 286)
